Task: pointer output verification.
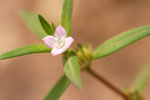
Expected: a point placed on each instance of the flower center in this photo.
(60, 43)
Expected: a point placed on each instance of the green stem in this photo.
(107, 83)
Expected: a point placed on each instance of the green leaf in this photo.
(58, 89)
(33, 23)
(71, 68)
(142, 79)
(66, 15)
(46, 26)
(35, 48)
(120, 41)
(53, 26)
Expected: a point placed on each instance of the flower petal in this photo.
(60, 32)
(49, 41)
(68, 42)
(56, 51)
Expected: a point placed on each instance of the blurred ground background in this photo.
(30, 77)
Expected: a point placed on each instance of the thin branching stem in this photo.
(107, 83)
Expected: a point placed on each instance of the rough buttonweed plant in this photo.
(57, 41)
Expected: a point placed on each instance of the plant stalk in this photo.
(107, 83)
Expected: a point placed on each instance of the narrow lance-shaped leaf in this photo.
(120, 41)
(142, 79)
(35, 48)
(46, 26)
(66, 15)
(53, 26)
(33, 23)
(58, 89)
(71, 67)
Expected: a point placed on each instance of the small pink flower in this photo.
(59, 42)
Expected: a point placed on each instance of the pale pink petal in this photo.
(49, 41)
(56, 51)
(60, 32)
(68, 42)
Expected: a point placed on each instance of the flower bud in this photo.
(84, 54)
